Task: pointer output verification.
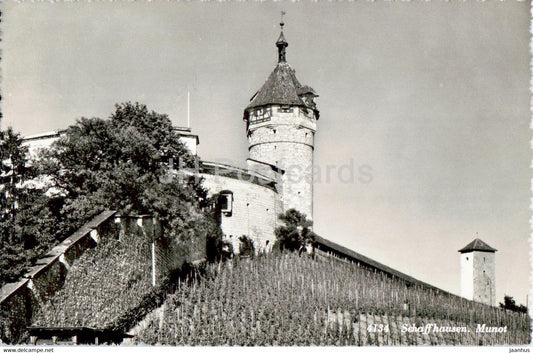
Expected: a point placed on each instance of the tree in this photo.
(296, 232)
(13, 172)
(119, 163)
(26, 221)
(125, 163)
(110, 163)
(510, 304)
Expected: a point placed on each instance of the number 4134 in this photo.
(378, 328)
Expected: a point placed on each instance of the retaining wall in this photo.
(20, 300)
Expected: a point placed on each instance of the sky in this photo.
(433, 97)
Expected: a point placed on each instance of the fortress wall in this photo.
(484, 277)
(254, 213)
(467, 276)
(19, 301)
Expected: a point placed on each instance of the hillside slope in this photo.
(103, 284)
(290, 300)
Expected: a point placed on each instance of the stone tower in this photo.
(478, 272)
(280, 126)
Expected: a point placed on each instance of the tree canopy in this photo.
(510, 304)
(119, 163)
(296, 232)
(27, 215)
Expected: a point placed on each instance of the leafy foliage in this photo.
(119, 163)
(510, 304)
(28, 218)
(296, 233)
(111, 163)
(123, 163)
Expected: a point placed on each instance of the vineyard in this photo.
(290, 300)
(103, 284)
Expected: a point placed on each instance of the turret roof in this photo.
(477, 245)
(281, 88)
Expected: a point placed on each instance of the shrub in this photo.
(246, 246)
(296, 232)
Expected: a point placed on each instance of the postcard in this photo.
(265, 174)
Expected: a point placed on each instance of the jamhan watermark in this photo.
(346, 173)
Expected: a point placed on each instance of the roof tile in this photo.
(477, 245)
(281, 88)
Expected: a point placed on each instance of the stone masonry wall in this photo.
(286, 141)
(467, 276)
(19, 301)
(484, 277)
(254, 213)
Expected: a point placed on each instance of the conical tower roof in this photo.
(477, 245)
(282, 87)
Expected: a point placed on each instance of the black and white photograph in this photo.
(265, 174)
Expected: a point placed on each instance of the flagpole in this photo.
(188, 109)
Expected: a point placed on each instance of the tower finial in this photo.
(282, 43)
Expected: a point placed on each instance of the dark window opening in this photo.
(225, 202)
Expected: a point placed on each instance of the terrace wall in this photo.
(19, 301)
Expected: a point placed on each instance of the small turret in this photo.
(282, 44)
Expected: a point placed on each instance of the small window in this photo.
(225, 202)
